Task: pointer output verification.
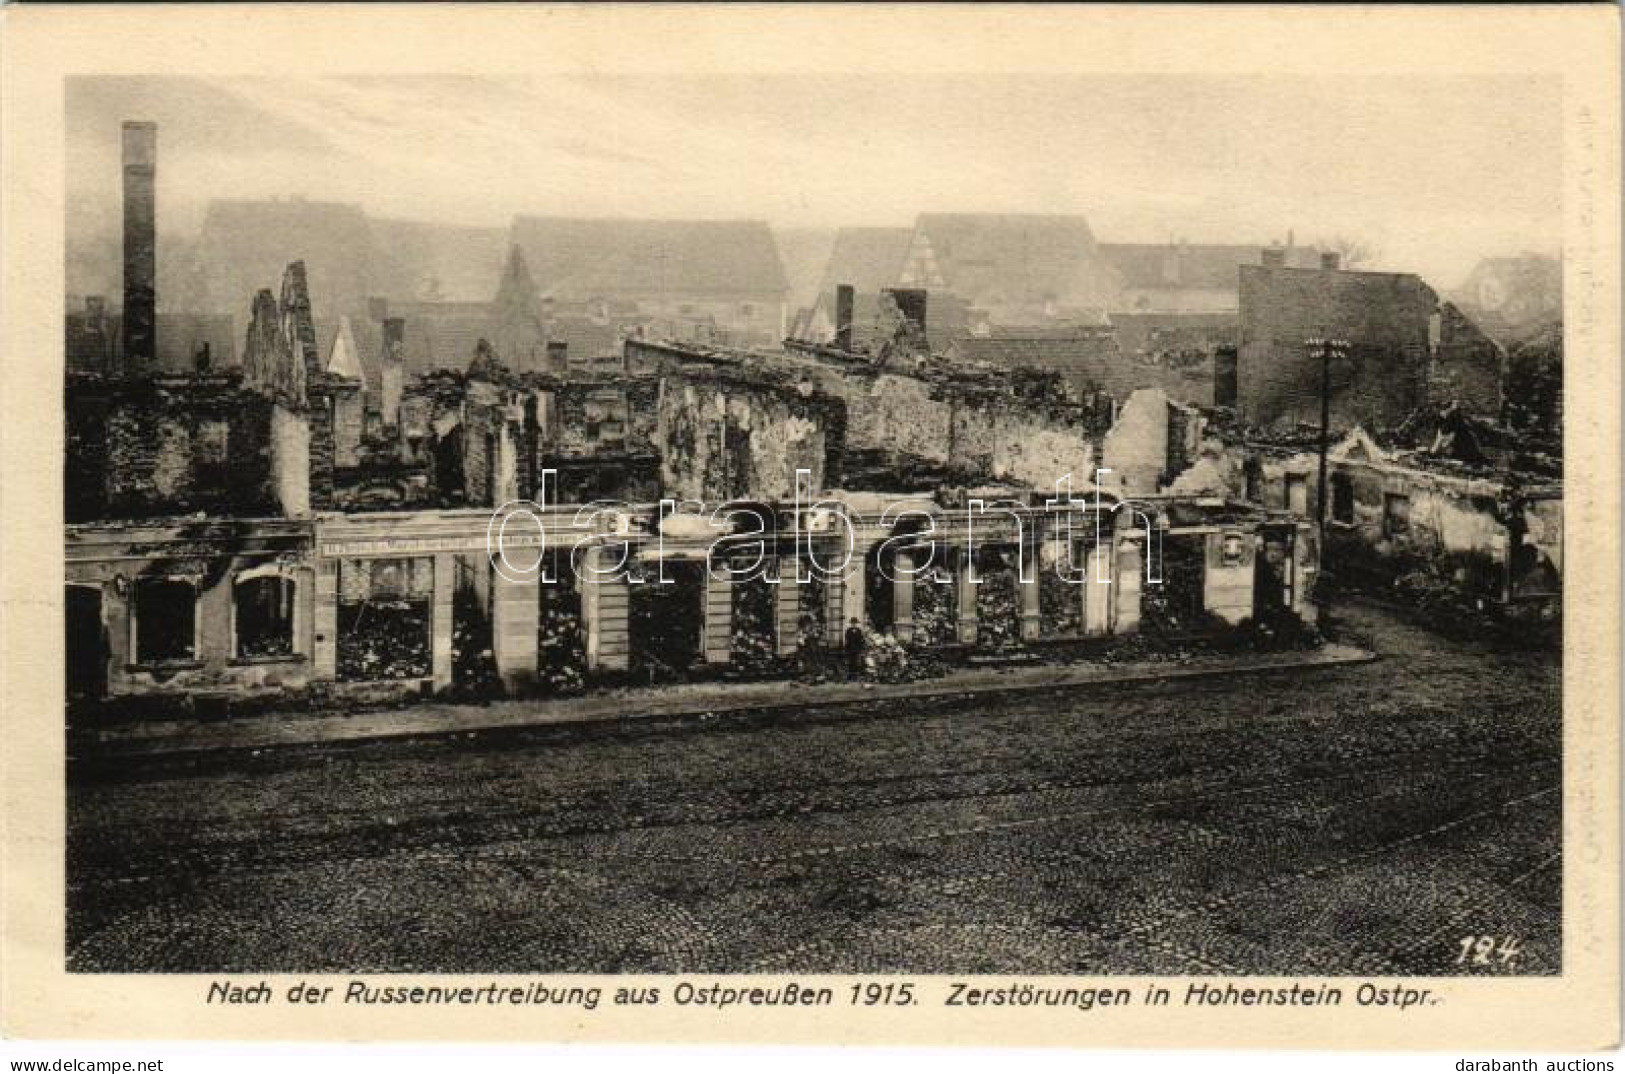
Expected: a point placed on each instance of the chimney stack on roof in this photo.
(140, 247)
(1273, 257)
(1331, 260)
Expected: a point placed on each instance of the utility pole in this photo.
(1327, 347)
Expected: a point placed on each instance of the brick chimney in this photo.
(844, 306)
(1331, 260)
(1273, 257)
(140, 248)
(392, 373)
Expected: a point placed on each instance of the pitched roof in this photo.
(343, 359)
(1181, 266)
(245, 245)
(578, 259)
(438, 262)
(868, 258)
(994, 260)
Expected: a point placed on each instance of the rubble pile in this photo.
(1060, 605)
(561, 646)
(934, 612)
(1173, 603)
(383, 639)
(752, 643)
(998, 603)
(473, 664)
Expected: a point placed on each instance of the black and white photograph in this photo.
(805, 524)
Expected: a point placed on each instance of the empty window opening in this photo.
(1342, 499)
(165, 620)
(1297, 494)
(264, 609)
(385, 610)
(1396, 514)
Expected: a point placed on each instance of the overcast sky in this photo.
(1432, 173)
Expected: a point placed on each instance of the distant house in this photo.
(243, 243)
(672, 272)
(1514, 298)
(1015, 269)
(1178, 277)
(417, 261)
(865, 259)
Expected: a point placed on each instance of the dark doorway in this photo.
(473, 662)
(1173, 603)
(86, 652)
(448, 466)
(879, 567)
(666, 621)
(165, 620)
(753, 641)
(1272, 574)
(561, 657)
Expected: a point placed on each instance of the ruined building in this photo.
(317, 519)
(1398, 348)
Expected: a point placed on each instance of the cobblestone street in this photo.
(1361, 819)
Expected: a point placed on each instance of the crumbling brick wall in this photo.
(347, 425)
(1385, 317)
(169, 447)
(726, 436)
(320, 416)
(1468, 367)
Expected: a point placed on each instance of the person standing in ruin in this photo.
(855, 645)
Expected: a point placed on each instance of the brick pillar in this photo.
(515, 614)
(965, 600)
(902, 597)
(854, 591)
(440, 616)
(1097, 590)
(1032, 621)
(717, 638)
(834, 605)
(324, 653)
(605, 604)
(1127, 584)
(787, 610)
(1305, 567)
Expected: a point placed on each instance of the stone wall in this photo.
(1135, 448)
(728, 437)
(170, 446)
